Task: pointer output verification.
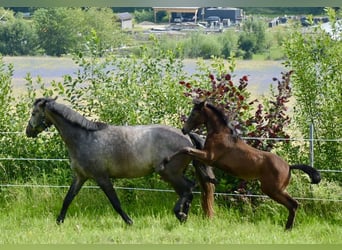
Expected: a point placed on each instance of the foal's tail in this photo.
(315, 176)
(206, 178)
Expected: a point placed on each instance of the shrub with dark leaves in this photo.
(269, 118)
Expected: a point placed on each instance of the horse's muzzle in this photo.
(30, 132)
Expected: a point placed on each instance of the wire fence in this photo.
(163, 191)
(245, 138)
(169, 190)
(66, 160)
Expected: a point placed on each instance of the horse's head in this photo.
(38, 121)
(196, 117)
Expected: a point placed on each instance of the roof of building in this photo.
(124, 16)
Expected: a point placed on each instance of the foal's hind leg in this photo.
(285, 199)
(75, 187)
(107, 187)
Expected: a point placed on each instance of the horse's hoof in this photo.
(129, 222)
(59, 221)
(182, 217)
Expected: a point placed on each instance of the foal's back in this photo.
(247, 162)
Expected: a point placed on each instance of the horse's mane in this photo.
(74, 117)
(219, 113)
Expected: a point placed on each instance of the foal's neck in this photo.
(215, 124)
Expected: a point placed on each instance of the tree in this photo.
(65, 30)
(316, 61)
(253, 38)
(17, 36)
(104, 22)
(58, 29)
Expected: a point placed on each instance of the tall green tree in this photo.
(64, 30)
(317, 83)
(106, 26)
(58, 29)
(17, 36)
(253, 38)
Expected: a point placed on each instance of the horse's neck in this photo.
(67, 131)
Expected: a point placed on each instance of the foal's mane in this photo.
(219, 113)
(73, 117)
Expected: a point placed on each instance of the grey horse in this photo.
(101, 152)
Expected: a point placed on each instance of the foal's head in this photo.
(204, 112)
(196, 117)
(38, 121)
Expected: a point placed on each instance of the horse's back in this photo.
(134, 151)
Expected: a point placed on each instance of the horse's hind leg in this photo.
(285, 199)
(173, 173)
(107, 187)
(182, 207)
(75, 187)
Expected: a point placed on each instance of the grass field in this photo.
(27, 215)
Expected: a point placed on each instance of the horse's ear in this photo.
(40, 102)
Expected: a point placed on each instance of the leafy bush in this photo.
(143, 15)
(126, 90)
(14, 114)
(202, 45)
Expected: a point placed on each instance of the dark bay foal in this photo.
(225, 151)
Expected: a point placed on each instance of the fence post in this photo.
(311, 144)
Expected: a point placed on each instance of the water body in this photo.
(260, 73)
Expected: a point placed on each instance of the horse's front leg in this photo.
(107, 187)
(75, 187)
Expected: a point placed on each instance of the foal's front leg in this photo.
(196, 154)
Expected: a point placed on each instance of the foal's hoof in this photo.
(212, 180)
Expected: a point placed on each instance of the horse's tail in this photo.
(206, 178)
(315, 176)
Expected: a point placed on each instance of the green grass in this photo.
(27, 215)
